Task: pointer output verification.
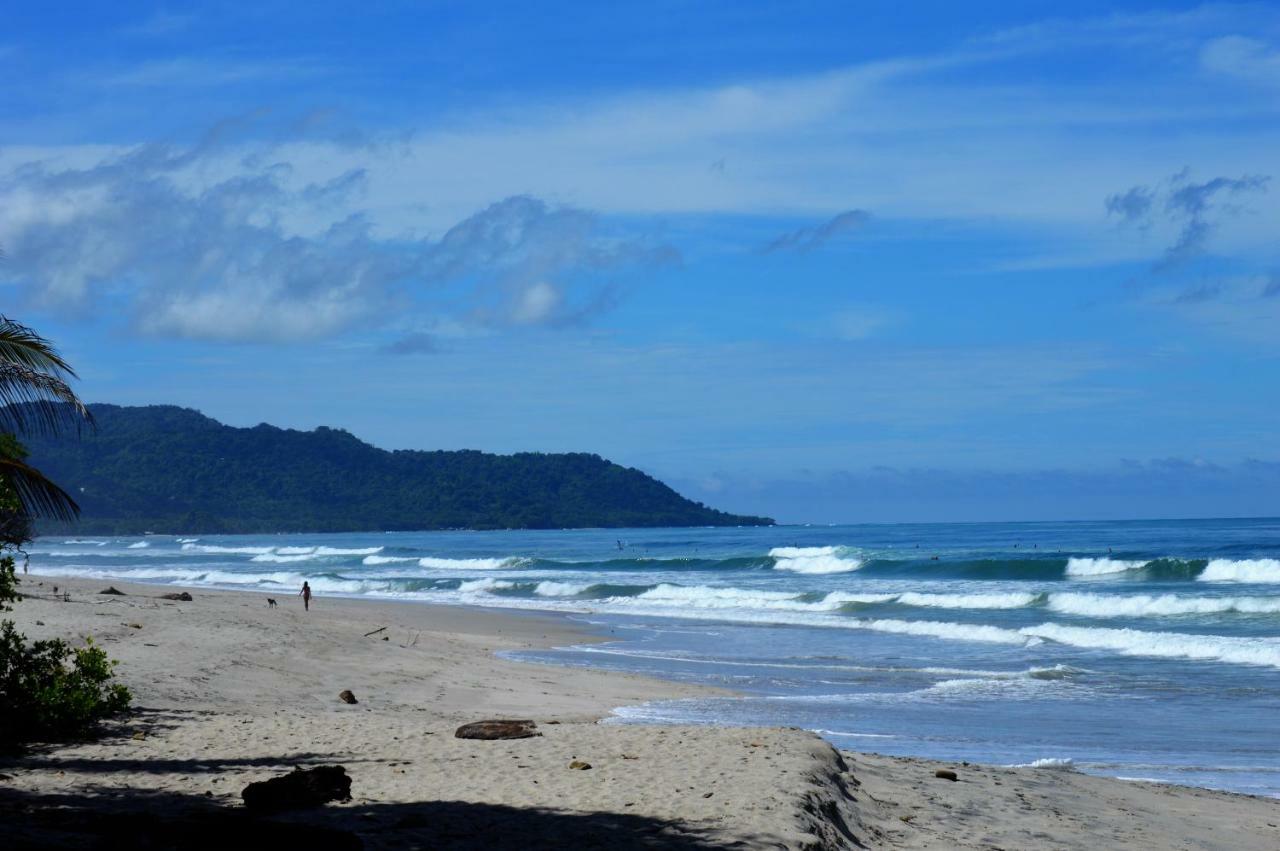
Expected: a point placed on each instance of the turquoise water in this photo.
(1134, 649)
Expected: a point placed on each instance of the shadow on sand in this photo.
(98, 818)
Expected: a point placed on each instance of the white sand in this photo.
(231, 692)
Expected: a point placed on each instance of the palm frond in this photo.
(21, 345)
(35, 401)
(37, 495)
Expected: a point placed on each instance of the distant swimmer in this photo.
(620, 545)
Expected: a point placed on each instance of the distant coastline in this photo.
(171, 470)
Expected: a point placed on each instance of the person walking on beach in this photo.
(305, 594)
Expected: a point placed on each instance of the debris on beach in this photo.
(182, 597)
(303, 787)
(497, 729)
(110, 589)
(347, 697)
(945, 774)
(579, 765)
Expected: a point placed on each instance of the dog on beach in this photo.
(271, 604)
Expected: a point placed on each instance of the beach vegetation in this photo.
(49, 688)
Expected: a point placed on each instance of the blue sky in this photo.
(825, 261)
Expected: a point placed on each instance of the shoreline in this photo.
(230, 691)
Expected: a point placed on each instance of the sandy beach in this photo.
(229, 691)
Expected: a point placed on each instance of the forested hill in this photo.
(166, 469)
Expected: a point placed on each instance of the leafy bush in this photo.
(51, 690)
(8, 584)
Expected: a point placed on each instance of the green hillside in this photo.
(166, 469)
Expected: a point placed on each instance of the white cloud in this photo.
(194, 251)
(1240, 56)
(536, 303)
(859, 323)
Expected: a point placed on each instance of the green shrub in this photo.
(51, 690)
(8, 584)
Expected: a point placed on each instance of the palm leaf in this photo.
(35, 401)
(21, 345)
(38, 496)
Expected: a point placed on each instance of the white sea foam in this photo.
(804, 552)
(340, 551)
(86, 543)
(815, 560)
(837, 599)
(140, 545)
(1262, 570)
(1013, 600)
(1169, 645)
(470, 563)
(213, 548)
(1050, 762)
(708, 597)
(946, 629)
(187, 540)
(295, 551)
(560, 589)
(485, 584)
(1152, 605)
(374, 560)
(1101, 566)
(279, 558)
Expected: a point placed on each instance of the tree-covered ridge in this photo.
(167, 469)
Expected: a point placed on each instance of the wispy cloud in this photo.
(193, 252)
(196, 73)
(1028, 155)
(413, 344)
(1243, 57)
(160, 23)
(1196, 209)
(807, 239)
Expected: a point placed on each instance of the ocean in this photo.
(1142, 649)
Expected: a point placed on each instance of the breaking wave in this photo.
(1050, 762)
(1101, 566)
(1150, 605)
(815, 560)
(281, 558)
(1262, 570)
(1014, 600)
(1172, 645)
(435, 563)
(217, 550)
(560, 589)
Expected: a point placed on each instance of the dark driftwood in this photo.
(497, 730)
(375, 632)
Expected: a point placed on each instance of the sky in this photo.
(829, 262)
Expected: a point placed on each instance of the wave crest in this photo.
(1262, 570)
(815, 560)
